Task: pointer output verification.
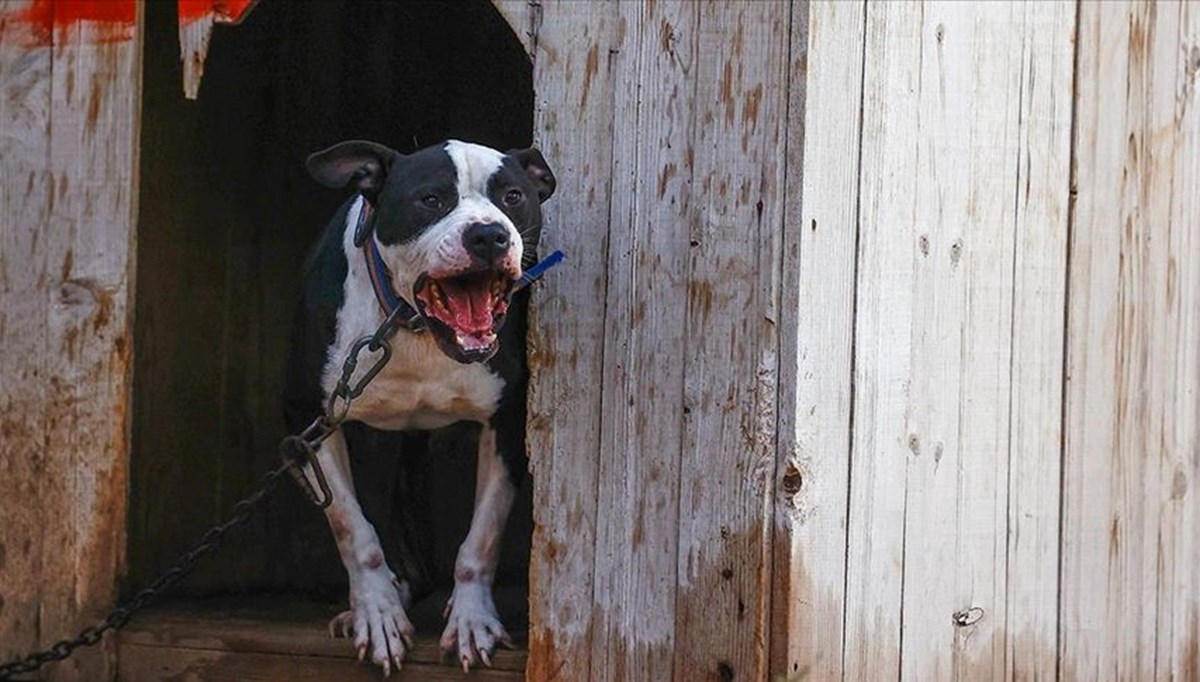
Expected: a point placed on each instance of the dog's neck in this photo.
(398, 311)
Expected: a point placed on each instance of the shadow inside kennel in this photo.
(227, 215)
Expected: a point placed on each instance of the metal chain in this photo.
(295, 450)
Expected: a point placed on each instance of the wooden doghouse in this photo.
(876, 353)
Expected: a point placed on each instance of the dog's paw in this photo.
(473, 629)
(376, 620)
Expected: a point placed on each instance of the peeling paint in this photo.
(51, 22)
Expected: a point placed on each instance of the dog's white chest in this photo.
(420, 388)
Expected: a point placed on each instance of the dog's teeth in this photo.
(439, 300)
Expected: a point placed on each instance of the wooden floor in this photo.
(272, 639)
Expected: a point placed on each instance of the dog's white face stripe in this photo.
(475, 164)
(440, 248)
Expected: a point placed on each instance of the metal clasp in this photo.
(301, 449)
(345, 391)
(298, 450)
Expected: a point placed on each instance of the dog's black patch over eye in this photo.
(513, 197)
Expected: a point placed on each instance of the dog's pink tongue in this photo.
(471, 306)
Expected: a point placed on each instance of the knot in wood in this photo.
(967, 617)
(792, 480)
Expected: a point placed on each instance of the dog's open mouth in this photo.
(465, 311)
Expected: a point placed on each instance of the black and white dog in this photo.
(445, 231)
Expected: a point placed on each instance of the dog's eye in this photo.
(432, 201)
(513, 197)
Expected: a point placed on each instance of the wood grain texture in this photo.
(1038, 321)
(71, 223)
(641, 436)
(883, 342)
(155, 664)
(734, 169)
(574, 48)
(692, 200)
(955, 430)
(939, 318)
(270, 639)
(1129, 601)
(25, 191)
(816, 346)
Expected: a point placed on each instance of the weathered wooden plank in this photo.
(653, 188)
(154, 663)
(575, 48)
(280, 626)
(1129, 602)
(883, 341)
(637, 534)
(25, 193)
(959, 344)
(816, 318)
(196, 21)
(77, 314)
(95, 103)
(944, 160)
(956, 399)
(1039, 308)
(1178, 655)
(736, 172)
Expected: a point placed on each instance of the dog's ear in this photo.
(357, 163)
(539, 171)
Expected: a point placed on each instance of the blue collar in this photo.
(390, 302)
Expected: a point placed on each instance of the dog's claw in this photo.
(340, 625)
(473, 628)
(382, 631)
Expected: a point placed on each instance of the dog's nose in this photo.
(486, 241)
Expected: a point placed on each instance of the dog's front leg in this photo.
(474, 627)
(376, 614)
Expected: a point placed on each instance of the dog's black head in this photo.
(453, 223)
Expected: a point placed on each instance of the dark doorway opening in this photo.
(227, 216)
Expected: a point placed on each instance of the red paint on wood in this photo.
(49, 21)
(223, 11)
